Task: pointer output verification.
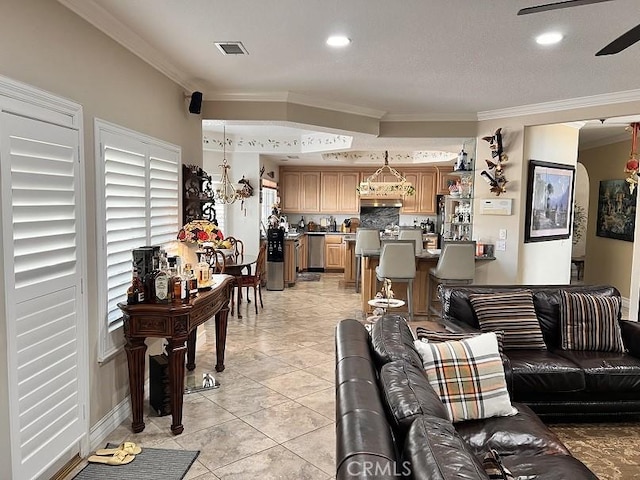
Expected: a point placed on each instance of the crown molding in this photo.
(560, 105)
(576, 125)
(296, 98)
(118, 31)
(430, 117)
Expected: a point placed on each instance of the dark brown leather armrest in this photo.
(631, 336)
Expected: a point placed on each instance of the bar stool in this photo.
(456, 265)
(366, 239)
(412, 234)
(398, 264)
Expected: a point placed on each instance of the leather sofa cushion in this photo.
(521, 433)
(391, 339)
(408, 394)
(606, 371)
(547, 467)
(536, 371)
(437, 452)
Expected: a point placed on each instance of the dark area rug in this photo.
(150, 464)
(610, 450)
(308, 277)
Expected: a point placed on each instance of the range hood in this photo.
(380, 202)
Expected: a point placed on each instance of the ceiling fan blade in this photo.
(623, 41)
(557, 5)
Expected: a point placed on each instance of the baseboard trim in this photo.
(107, 424)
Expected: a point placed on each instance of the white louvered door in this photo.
(43, 301)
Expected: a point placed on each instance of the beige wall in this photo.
(547, 262)
(607, 260)
(46, 45)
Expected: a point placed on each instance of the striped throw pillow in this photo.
(468, 376)
(427, 335)
(514, 314)
(590, 322)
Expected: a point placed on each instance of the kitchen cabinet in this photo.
(334, 249)
(444, 178)
(303, 259)
(424, 200)
(300, 192)
(290, 263)
(339, 192)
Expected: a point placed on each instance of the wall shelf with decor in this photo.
(458, 204)
(197, 195)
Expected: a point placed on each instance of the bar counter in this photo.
(424, 262)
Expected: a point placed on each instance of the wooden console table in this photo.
(178, 323)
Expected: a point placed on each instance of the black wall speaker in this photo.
(196, 102)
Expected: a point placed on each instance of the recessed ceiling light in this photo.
(338, 41)
(549, 38)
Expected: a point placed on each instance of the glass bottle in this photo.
(193, 284)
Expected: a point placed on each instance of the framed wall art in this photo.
(616, 210)
(549, 200)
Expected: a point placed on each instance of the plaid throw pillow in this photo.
(514, 314)
(493, 467)
(427, 335)
(590, 322)
(468, 376)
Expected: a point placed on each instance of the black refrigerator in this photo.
(275, 259)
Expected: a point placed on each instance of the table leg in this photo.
(221, 337)
(136, 349)
(239, 298)
(176, 350)
(191, 349)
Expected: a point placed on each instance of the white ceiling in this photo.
(414, 59)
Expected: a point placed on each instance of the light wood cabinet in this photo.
(426, 193)
(303, 259)
(308, 190)
(290, 191)
(310, 193)
(338, 192)
(289, 263)
(300, 192)
(444, 177)
(334, 252)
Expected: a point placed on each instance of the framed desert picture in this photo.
(616, 210)
(549, 201)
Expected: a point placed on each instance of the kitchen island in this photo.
(424, 262)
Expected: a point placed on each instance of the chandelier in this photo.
(400, 187)
(631, 168)
(226, 192)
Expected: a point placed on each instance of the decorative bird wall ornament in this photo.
(497, 181)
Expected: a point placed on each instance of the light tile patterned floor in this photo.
(274, 415)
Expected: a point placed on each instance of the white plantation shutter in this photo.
(41, 219)
(139, 192)
(125, 198)
(164, 196)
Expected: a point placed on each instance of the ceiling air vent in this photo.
(231, 48)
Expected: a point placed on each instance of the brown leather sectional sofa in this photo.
(391, 424)
(560, 383)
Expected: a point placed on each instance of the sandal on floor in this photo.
(118, 458)
(126, 447)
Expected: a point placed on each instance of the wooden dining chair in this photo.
(237, 245)
(216, 259)
(255, 280)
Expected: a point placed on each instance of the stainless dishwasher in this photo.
(316, 253)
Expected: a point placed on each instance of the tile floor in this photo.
(273, 416)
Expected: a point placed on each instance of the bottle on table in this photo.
(135, 292)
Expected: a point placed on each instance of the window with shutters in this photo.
(138, 185)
